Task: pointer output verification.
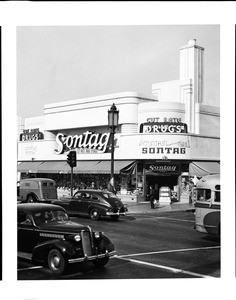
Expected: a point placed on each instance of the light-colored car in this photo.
(36, 190)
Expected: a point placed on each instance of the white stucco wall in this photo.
(209, 120)
(167, 91)
(93, 111)
(160, 111)
(205, 148)
(35, 122)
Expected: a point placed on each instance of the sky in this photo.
(60, 63)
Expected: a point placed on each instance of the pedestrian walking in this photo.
(152, 197)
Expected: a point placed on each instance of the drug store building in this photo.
(161, 140)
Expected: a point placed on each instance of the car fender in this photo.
(41, 251)
(105, 243)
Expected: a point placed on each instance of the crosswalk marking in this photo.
(175, 219)
(174, 270)
(169, 251)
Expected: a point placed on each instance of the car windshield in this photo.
(50, 216)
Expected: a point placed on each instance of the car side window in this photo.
(23, 219)
(78, 195)
(94, 198)
(86, 196)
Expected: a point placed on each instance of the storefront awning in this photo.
(83, 167)
(29, 166)
(43, 167)
(54, 167)
(202, 168)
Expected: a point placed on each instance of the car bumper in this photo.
(110, 213)
(90, 258)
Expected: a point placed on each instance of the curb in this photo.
(145, 209)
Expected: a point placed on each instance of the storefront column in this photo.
(179, 187)
(144, 182)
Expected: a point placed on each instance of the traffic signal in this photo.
(71, 159)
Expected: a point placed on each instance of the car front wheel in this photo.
(94, 215)
(56, 262)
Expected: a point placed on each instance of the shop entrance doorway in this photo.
(158, 181)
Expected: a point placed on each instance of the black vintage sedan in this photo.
(94, 203)
(47, 235)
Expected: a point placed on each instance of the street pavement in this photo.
(144, 207)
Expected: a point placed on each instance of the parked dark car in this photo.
(94, 203)
(47, 235)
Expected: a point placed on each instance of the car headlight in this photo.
(97, 234)
(77, 238)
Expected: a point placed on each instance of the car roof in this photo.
(37, 179)
(37, 207)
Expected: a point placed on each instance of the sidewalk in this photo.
(144, 207)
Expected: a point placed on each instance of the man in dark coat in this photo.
(152, 197)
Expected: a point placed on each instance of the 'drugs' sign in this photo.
(163, 127)
(31, 135)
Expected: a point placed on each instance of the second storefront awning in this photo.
(100, 167)
(202, 168)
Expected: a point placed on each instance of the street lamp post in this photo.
(113, 117)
